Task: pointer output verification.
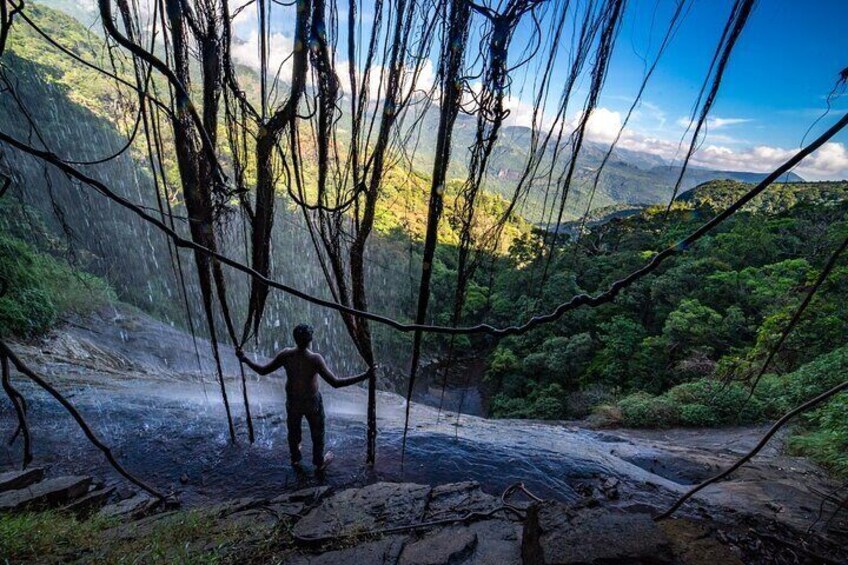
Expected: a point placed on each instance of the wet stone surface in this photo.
(373, 507)
(12, 480)
(136, 382)
(49, 493)
(558, 534)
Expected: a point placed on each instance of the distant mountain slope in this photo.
(70, 98)
(630, 178)
(720, 194)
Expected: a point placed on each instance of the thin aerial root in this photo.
(809, 405)
(7, 182)
(571, 304)
(250, 435)
(20, 410)
(7, 355)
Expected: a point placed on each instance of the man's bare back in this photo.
(303, 367)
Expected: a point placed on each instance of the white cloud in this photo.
(714, 123)
(280, 48)
(719, 152)
(829, 162)
(520, 112)
(603, 125)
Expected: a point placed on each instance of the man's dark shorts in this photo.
(311, 408)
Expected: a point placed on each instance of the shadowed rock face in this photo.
(413, 525)
(12, 480)
(46, 494)
(556, 533)
(370, 508)
(132, 379)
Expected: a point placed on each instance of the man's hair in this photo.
(302, 335)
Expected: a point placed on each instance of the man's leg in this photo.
(316, 419)
(294, 416)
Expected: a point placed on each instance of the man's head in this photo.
(302, 335)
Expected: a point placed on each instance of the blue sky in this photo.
(785, 64)
(776, 86)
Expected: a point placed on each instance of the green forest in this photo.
(420, 282)
(680, 348)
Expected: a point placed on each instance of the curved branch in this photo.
(757, 448)
(575, 302)
(183, 98)
(7, 354)
(7, 182)
(20, 411)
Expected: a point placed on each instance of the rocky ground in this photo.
(136, 382)
(397, 523)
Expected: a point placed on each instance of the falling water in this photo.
(134, 256)
(142, 390)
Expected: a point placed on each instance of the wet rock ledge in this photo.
(390, 523)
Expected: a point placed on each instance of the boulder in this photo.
(458, 499)
(498, 542)
(46, 494)
(448, 545)
(90, 503)
(131, 508)
(558, 534)
(384, 551)
(238, 505)
(696, 544)
(14, 480)
(359, 510)
(306, 496)
(256, 522)
(296, 503)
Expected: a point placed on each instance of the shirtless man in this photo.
(302, 367)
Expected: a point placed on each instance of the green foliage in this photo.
(183, 537)
(730, 403)
(780, 197)
(621, 339)
(825, 437)
(29, 535)
(701, 403)
(502, 362)
(641, 410)
(698, 416)
(543, 403)
(710, 315)
(39, 288)
(823, 434)
(692, 324)
(781, 393)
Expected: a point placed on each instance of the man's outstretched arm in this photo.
(337, 382)
(275, 364)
